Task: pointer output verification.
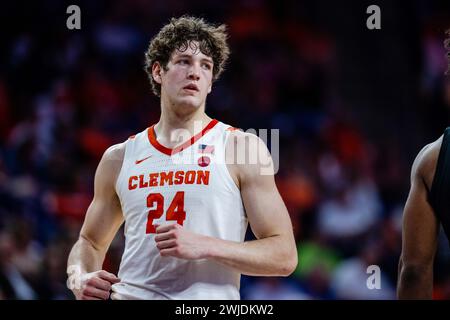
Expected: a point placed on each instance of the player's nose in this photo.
(194, 72)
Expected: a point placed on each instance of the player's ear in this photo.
(156, 72)
(209, 88)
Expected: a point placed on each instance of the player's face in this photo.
(188, 78)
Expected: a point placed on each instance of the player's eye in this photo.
(183, 61)
(207, 66)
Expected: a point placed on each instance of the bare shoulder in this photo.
(424, 165)
(109, 167)
(243, 140)
(115, 152)
(247, 156)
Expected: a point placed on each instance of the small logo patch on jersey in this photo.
(204, 148)
(139, 161)
(204, 161)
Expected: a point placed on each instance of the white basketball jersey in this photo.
(189, 185)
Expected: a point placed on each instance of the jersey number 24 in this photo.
(175, 212)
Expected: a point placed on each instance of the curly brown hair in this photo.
(177, 34)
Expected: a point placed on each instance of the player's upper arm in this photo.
(104, 215)
(264, 206)
(420, 225)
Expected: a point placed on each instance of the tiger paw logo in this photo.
(204, 161)
(205, 150)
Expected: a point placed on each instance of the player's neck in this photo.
(171, 121)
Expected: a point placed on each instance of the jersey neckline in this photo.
(171, 151)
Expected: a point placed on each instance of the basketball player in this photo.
(185, 221)
(427, 207)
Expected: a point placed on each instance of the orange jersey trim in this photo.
(233, 129)
(181, 147)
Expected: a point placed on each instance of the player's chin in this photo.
(190, 103)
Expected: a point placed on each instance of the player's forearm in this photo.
(85, 257)
(415, 282)
(272, 256)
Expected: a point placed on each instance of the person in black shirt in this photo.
(426, 209)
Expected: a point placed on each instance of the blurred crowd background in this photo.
(354, 106)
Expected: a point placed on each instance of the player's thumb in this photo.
(108, 276)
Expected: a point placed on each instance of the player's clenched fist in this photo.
(173, 240)
(95, 285)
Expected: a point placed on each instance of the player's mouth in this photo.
(191, 88)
